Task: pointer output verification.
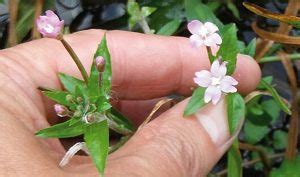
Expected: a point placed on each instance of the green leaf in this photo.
(146, 11)
(120, 119)
(287, 169)
(196, 10)
(272, 109)
(235, 112)
(276, 97)
(268, 79)
(62, 130)
(70, 82)
(57, 96)
(96, 137)
(196, 102)
(234, 10)
(280, 139)
(169, 28)
(250, 49)
(234, 161)
(133, 7)
(255, 133)
(229, 49)
(106, 75)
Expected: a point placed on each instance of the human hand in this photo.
(145, 67)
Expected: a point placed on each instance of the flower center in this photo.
(216, 81)
(49, 28)
(203, 32)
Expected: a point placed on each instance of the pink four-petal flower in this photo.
(216, 81)
(49, 25)
(204, 34)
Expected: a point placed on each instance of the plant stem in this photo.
(252, 162)
(116, 146)
(262, 154)
(295, 56)
(210, 55)
(145, 27)
(38, 10)
(75, 59)
(13, 14)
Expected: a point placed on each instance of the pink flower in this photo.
(216, 82)
(61, 110)
(204, 34)
(49, 25)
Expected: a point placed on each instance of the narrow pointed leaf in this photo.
(58, 96)
(169, 28)
(70, 82)
(276, 96)
(196, 102)
(106, 75)
(291, 20)
(250, 49)
(229, 49)
(62, 130)
(235, 112)
(96, 138)
(120, 119)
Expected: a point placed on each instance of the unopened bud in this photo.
(89, 118)
(77, 113)
(79, 99)
(61, 110)
(100, 63)
(70, 98)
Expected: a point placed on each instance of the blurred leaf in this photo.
(195, 102)
(236, 112)
(250, 49)
(267, 79)
(272, 109)
(287, 169)
(255, 155)
(280, 139)
(229, 49)
(255, 133)
(232, 7)
(146, 11)
(276, 37)
(96, 137)
(169, 28)
(234, 161)
(62, 130)
(196, 10)
(57, 96)
(291, 20)
(120, 119)
(214, 5)
(70, 82)
(276, 96)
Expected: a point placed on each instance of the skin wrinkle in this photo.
(181, 69)
(20, 72)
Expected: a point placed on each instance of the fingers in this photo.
(144, 66)
(174, 146)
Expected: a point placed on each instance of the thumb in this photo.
(172, 145)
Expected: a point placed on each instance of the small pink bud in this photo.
(49, 25)
(61, 110)
(100, 63)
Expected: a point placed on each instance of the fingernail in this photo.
(213, 119)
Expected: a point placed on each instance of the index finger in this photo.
(144, 66)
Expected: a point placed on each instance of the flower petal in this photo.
(213, 40)
(203, 78)
(218, 70)
(229, 80)
(212, 28)
(228, 88)
(212, 93)
(194, 26)
(196, 41)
